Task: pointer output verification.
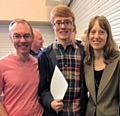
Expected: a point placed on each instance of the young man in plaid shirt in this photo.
(68, 56)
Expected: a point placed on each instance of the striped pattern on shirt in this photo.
(69, 62)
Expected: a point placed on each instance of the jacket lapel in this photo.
(89, 77)
(107, 75)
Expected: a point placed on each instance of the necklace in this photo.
(98, 75)
(98, 70)
(96, 84)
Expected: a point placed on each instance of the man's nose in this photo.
(22, 39)
(62, 24)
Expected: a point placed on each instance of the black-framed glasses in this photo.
(18, 36)
(65, 23)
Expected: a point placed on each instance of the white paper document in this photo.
(58, 85)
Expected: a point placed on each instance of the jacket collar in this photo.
(106, 76)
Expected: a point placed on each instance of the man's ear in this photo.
(75, 32)
(52, 25)
(11, 39)
(33, 37)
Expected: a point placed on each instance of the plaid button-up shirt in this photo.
(69, 62)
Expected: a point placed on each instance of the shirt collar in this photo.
(57, 46)
(32, 52)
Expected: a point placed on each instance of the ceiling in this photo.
(57, 2)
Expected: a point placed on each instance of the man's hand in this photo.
(57, 105)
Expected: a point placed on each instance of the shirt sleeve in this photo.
(1, 80)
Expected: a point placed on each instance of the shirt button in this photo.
(65, 65)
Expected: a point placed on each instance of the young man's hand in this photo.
(57, 105)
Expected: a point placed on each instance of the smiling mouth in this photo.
(63, 33)
(96, 41)
(23, 46)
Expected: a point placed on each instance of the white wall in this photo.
(31, 10)
(85, 9)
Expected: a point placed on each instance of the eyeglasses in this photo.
(66, 24)
(18, 36)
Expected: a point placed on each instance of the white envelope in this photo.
(58, 85)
